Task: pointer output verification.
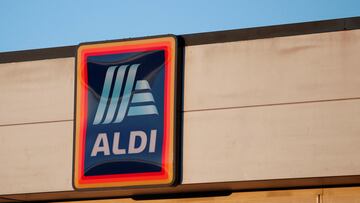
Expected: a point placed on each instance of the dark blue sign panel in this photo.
(125, 113)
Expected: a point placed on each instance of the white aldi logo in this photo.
(144, 96)
(125, 122)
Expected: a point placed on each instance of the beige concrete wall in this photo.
(285, 107)
(272, 71)
(36, 157)
(37, 91)
(272, 142)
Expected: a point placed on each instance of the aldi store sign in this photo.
(125, 113)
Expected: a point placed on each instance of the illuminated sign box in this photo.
(125, 113)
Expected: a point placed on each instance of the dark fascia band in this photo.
(191, 190)
(206, 38)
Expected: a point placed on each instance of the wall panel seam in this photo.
(34, 123)
(274, 104)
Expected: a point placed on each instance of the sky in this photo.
(32, 24)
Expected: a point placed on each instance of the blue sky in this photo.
(31, 24)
